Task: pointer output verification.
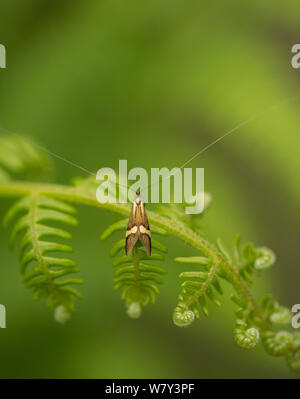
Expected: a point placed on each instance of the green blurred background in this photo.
(154, 82)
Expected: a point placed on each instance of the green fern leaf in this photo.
(134, 274)
(43, 273)
(19, 157)
(248, 260)
(199, 285)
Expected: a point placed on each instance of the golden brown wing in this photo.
(138, 228)
(131, 240)
(145, 239)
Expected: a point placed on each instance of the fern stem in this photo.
(242, 289)
(36, 247)
(201, 292)
(135, 259)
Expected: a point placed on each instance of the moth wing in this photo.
(132, 217)
(130, 242)
(146, 241)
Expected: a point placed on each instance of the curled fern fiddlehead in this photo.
(277, 344)
(45, 274)
(276, 314)
(281, 315)
(134, 274)
(182, 315)
(293, 356)
(246, 338)
(247, 259)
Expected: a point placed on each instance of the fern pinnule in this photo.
(245, 337)
(248, 260)
(19, 157)
(199, 285)
(293, 356)
(134, 274)
(176, 211)
(45, 274)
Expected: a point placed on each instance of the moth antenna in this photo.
(237, 127)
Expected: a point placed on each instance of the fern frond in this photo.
(277, 344)
(293, 356)
(175, 211)
(134, 274)
(248, 260)
(246, 333)
(45, 274)
(246, 337)
(199, 286)
(276, 314)
(18, 157)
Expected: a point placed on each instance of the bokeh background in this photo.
(153, 83)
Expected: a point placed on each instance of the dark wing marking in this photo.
(130, 242)
(146, 241)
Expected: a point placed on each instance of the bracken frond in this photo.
(248, 260)
(200, 285)
(45, 274)
(135, 274)
(18, 157)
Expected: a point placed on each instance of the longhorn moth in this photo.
(138, 227)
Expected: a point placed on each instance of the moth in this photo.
(138, 227)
